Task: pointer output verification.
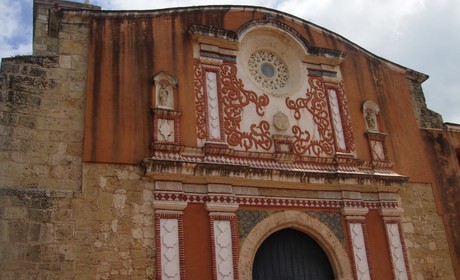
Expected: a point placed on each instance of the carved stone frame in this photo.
(337, 255)
(165, 126)
(164, 93)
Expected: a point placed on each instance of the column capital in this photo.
(169, 205)
(394, 212)
(221, 207)
(354, 211)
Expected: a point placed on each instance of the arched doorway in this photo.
(304, 223)
(289, 254)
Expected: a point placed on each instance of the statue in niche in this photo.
(164, 90)
(163, 95)
(370, 121)
(370, 111)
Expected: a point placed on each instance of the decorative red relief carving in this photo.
(346, 121)
(165, 126)
(200, 102)
(316, 104)
(257, 136)
(235, 98)
(303, 144)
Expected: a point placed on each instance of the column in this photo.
(356, 223)
(169, 230)
(392, 220)
(222, 208)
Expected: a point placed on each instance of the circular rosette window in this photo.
(268, 70)
(270, 62)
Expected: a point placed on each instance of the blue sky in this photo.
(420, 34)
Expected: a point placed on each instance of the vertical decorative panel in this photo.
(170, 255)
(212, 106)
(359, 251)
(199, 101)
(345, 117)
(336, 120)
(397, 253)
(223, 249)
(224, 240)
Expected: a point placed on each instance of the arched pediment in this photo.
(269, 22)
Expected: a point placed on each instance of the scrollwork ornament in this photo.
(199, 99)
(302, 139)
(345, 116)
(234, 99)
(315, 103)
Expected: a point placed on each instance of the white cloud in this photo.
(418, 34)
(9, 18)
(358, 20)
(15, 33)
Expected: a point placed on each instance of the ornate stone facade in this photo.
(130, 153)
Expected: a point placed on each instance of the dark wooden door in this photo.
(289, 254)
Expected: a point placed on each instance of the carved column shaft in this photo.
(222, 210)
(169, 241)
(396, 244)
(224, 246)
(356, 222)
(169, 235)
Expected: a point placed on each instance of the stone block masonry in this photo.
(41, 124)
(42, 102)
(105, 232)
(60, 219)
(36, 234)
(424, 234)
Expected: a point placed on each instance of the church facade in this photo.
(219, 142)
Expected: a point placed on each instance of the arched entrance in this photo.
(304, 223)
(289, 254)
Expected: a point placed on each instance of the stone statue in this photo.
(370, 121)
(163, 95)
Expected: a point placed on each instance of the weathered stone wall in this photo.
(42, 100)
(442, 147)
(424, 235)
(41, 124)
(44, 44)
(426, 118)
(107, 232)
(115, 224)
(48, 24)
(36, 234)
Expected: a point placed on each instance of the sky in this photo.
(419, 34)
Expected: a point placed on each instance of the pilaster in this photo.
(222, 208)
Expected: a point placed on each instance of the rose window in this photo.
(268, 70)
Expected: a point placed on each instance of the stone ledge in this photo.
(33, 193)
(46, 61)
